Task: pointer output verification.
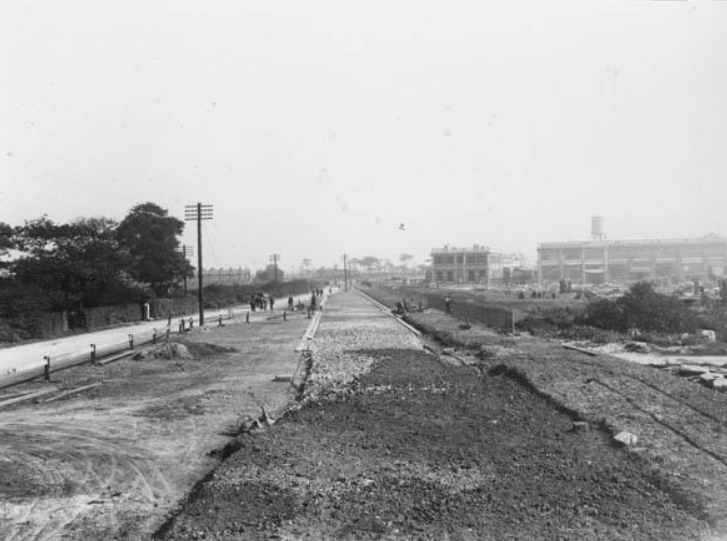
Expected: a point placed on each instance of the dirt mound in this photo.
(183, 350)
(205, 349)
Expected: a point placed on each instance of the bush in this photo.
(22, 309)
(605, 314)
(641, 308)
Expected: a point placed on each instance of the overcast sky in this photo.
(315, 128)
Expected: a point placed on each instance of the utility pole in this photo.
(345, 273)
(274, 258)
(199, 212)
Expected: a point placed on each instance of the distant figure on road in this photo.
(447, 305)
(290, 303)
(272, 302)
(313, 302)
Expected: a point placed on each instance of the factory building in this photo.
(602, 261)
(473, 265)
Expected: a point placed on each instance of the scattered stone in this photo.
(626, 438)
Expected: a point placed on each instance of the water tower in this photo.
(597, 230)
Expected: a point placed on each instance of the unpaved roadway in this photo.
(24, 357)
(113, 462)
(391, 442)
(397, 443)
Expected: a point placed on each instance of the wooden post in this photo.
(154, 337)
(93, 353)
(285, 315)
(46, 369)
(247, 317)
(131, 341)
(220, 320)
(191, 323)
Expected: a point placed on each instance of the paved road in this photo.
(31, 356)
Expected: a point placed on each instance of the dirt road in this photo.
(113, 462)
(397, 443)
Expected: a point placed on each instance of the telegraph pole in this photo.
(274, 258)
(199, 212)
(345, 273)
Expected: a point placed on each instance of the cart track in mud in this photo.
(114, 462)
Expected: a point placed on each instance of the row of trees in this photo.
(90, 261)
(375, 264)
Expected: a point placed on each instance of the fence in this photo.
(492, 316)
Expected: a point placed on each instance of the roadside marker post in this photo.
(93, 353)
(131, 341)
(46, 370)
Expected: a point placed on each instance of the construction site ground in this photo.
(115, 461)
(397, 442)
(498, 438)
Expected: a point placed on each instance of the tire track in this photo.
(686, 437)
(71, 467)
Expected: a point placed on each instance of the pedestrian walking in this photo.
(290, 303)
(448, 305)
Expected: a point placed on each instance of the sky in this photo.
(316, 128)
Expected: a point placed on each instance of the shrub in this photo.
(606, 314)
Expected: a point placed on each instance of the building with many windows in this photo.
(472, 265)
(665, 260)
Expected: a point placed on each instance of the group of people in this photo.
(261, 301)
(315, 297)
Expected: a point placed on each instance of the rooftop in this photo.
(447, 249)
(709, 239)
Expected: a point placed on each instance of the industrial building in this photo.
(473, 265)
(602, 261)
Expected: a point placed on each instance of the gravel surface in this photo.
(393, 443)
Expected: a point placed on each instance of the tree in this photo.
(406, 259)
(150, 236)
(370, 262)
(268, 274)
(80, 263)
(644, 308)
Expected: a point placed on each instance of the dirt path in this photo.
(113, 462)
(395, 443)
